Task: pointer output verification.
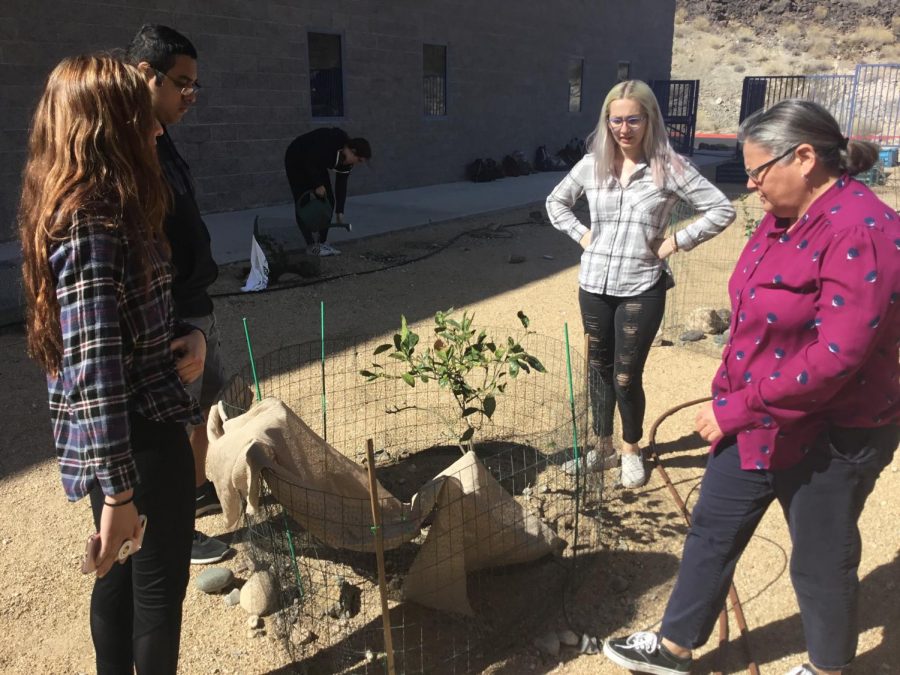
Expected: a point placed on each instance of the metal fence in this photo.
(875, 105)
(678, 101)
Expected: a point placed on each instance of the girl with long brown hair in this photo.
(99, 319)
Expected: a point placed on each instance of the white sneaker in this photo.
(633, 474)
(313, 249)
(328, 249)
(801, 670)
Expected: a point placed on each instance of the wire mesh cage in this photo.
(701, 275)
(471, 539)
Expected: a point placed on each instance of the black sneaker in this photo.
(207, 500)
(206, 550)
(643, 653)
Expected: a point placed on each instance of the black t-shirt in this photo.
(194, 267)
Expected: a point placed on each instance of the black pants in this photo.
(136, 607)
(822, 498)
(620, 332)
(300, 184)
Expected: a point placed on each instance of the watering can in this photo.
(315, 212)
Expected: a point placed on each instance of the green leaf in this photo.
(381, 348)
(467, 435)
(469, 411)
(409, 379)
(398, 343)
(523, 318)
(536, 364)
(404, 329)
(513, 368)
(367, 373)
(413, 340)
(490, 405)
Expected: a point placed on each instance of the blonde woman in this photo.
(99, 319)
(631, 178)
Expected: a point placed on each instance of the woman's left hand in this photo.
(190, 355)
(706, 424)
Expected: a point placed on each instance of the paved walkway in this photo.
(371, 214)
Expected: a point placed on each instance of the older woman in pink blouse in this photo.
(806, 403)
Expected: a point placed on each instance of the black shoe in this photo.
(206, 550)
(207, 500)
(643, 653)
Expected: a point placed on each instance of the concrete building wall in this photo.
(507, 84)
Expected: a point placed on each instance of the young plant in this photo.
(474, 367)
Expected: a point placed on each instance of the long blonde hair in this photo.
(89, 153)
(658, 153)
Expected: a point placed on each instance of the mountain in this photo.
(720, 42)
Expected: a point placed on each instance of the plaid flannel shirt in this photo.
(116, 358)
(629, 223)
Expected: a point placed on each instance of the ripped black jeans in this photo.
(620, 332)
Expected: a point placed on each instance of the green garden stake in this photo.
(252, 362)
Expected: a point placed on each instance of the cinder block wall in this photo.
(507, 83)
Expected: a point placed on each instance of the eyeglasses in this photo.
(754, 174)
(186, 90)
(632, 121)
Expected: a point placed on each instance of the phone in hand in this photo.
(128, 547)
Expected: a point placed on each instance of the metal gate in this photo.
(678, 101)
(835, 92)
(875, 106)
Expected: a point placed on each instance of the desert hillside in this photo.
(720, 42)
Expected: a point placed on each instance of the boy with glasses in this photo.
(168, 60)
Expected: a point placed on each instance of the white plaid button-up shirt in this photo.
(629, 223)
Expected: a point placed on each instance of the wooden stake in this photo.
(379, 556)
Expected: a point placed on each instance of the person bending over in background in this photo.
(99, 318)
(806, 403)
(307, 161)
(632, 179)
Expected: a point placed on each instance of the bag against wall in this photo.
(258, 279)
(522, 164)
(511, 166)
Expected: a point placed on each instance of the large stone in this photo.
(259, 595)
(214, 579)
(706, 320)
(548, 644)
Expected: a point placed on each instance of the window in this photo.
(576, 77)
(434, 79)
(623, 71)
(326, 81)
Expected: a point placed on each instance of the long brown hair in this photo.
(90, 153)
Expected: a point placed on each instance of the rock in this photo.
(259, 596)
(548, 644)
(723, 338)
(301, 636)
(569, 638)
(691, 336)
(233, 598)
(619, 584)
(253, 621)
(214, 579)
(349, 602)
(515, 259)
(706, 320)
